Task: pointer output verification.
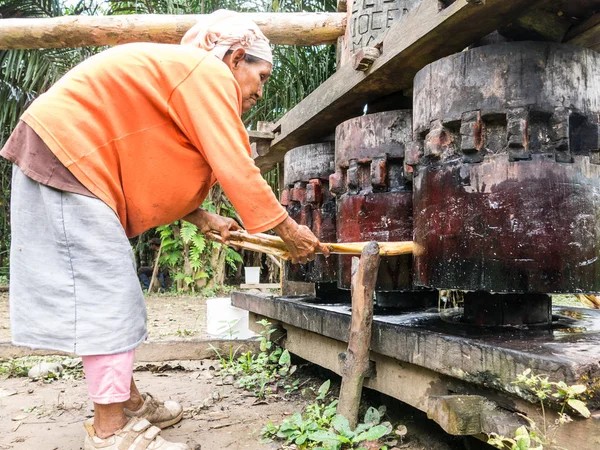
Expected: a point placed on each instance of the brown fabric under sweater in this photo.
(29, 152)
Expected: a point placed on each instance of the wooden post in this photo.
(80, 31)
(356, 360)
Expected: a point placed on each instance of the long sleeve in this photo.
(206, 107)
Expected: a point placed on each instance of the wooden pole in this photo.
(155, 269)
(81, 31)
(355, 367)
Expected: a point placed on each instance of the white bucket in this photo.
(252, 275)
(225, 321)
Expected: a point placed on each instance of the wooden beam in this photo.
(81, 31)
(423, 36)
(260, 140)
(586, 34)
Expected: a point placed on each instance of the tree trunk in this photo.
(274, 269)
(181, 284)
(187, 268)
(81, 31)
(217, 257)
(154, 280)
(218, 271)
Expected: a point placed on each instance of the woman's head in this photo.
(241, 45)
(250, 72)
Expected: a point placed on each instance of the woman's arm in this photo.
(206, 107)
(300, 241)
(207, 221)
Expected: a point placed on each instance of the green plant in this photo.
(548, 393)
(318, 427)
(185, 332)
(259, 373)
(232, 353)
(19, 367)
(191, 258)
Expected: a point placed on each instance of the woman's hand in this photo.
(300, 241)
(207, 222)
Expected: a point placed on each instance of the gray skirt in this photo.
(73, 280)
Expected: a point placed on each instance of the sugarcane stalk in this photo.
(385, 248)
(266, 243)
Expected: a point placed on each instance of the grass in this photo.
(220, 291)
(19, 367)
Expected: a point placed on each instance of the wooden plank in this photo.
(256, 136)
(260, 142)
(421, 38)
(586, 34)
(153, 350)
(416, 339)
(260, 286)
(81, 31)
(416, 386)
(458, 415)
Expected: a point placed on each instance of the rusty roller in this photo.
(308, 201)
(507, 177)
(374, 199)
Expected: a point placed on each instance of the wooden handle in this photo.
(266, 243)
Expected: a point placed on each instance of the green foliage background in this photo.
(25, 74)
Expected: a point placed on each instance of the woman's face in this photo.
(251, 76)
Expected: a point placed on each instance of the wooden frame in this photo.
(408, 46)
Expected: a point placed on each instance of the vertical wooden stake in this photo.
(356, 360)
(155, 271)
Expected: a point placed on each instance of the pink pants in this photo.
(109, 377)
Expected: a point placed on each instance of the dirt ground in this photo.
(48, 416)
(168, 317)
(44, 416)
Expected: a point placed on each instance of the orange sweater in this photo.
(147, 128)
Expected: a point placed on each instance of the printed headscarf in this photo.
(227, 30)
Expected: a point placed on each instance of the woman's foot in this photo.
(137, 434)
(160, 414)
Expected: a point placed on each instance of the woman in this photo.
(132, 138)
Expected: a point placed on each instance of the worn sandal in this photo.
(160, 414)
(138, 434)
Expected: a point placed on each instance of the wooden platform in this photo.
(422, 358)
(410, 44)
(263, 287)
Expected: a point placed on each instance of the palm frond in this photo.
(29, 8)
